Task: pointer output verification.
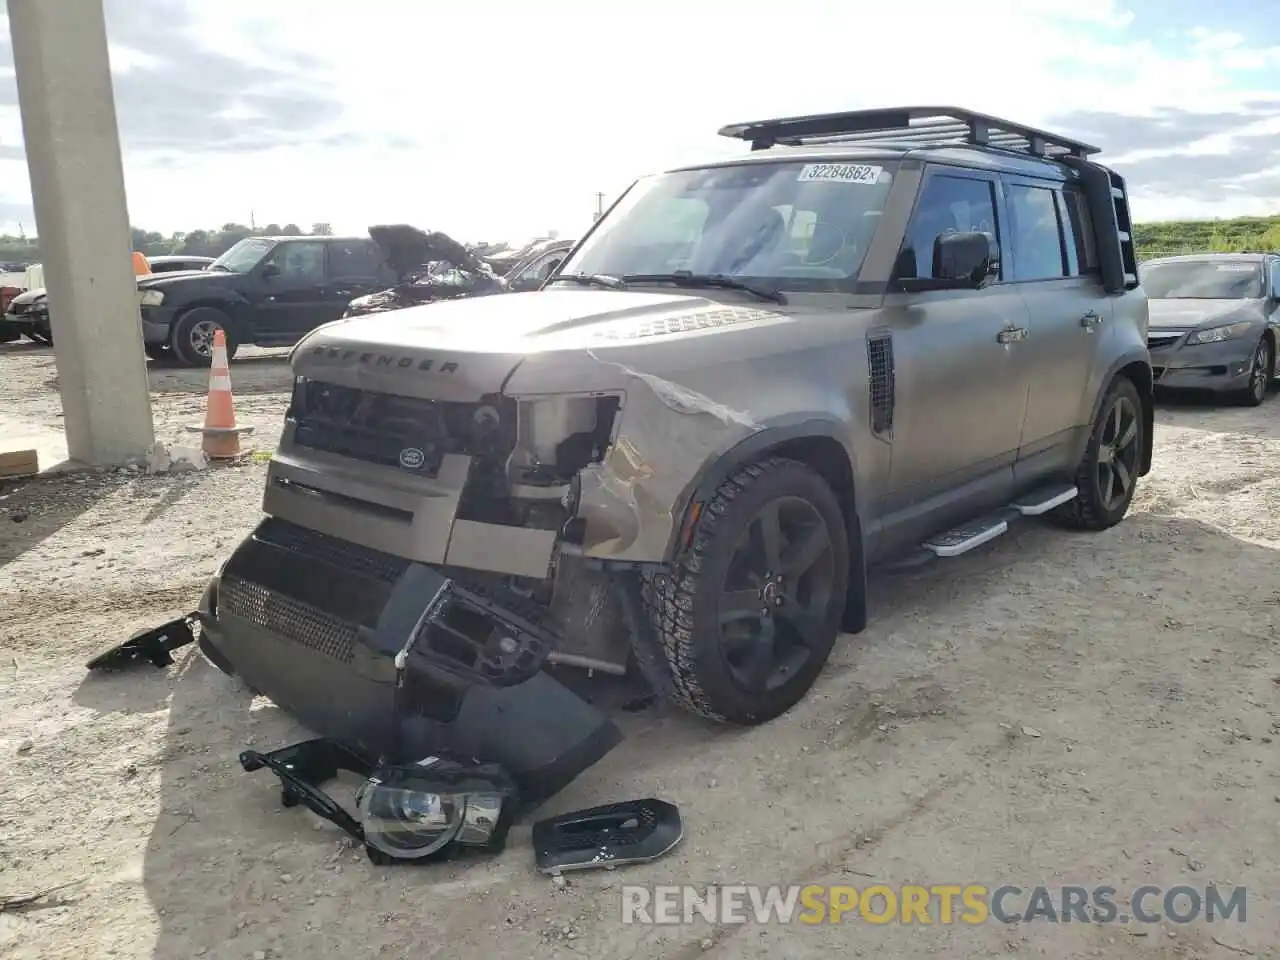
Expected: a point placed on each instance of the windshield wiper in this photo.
(685, 278)
(591, 280)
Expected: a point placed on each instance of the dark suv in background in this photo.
(267, 291)
(27, 314)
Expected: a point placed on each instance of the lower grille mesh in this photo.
(300, 622)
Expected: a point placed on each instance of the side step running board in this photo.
(1043, 499)
(982, 530)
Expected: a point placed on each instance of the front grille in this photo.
(394, 431)
(1162, 340)
(310, 545)
(299, 622)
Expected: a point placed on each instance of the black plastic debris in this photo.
(152, 646)
(613, 835)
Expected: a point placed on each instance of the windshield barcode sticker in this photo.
(840, 173)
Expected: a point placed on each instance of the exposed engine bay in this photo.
(429, 266)
(524, 462)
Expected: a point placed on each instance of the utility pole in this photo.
(77, 183)
(599, 207)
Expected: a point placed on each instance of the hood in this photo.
(408, 250)
(1185, 314)
(464, 349)
(29, 296)
(164, 281)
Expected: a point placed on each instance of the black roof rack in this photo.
(909, 126)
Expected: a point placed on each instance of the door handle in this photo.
(1011, 334)
(1090, 320)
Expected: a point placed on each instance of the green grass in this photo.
(1207, 236)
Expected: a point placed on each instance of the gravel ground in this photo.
(1052, 709)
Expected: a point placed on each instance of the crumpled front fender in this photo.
(633, 501)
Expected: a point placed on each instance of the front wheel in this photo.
(1260, 372)
(1108, 474)
(749, 611)
(192, 336)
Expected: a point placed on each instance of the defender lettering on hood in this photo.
(384, 360)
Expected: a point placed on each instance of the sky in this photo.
(501, 119)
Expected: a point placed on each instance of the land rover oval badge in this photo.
(411, 458)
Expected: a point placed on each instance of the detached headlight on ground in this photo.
(150, 298)
(1228, 331)
(406, 813)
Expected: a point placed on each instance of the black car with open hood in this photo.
(432, 266)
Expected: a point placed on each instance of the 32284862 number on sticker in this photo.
(840, 173)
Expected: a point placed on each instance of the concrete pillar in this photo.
(77, 180)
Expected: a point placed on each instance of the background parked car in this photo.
(27, 313)
(434, 266)
(1214, 320)
(267, 291)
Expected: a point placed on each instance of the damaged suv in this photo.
(875, 334)
(434, 266)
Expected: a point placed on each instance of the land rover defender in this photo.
(874, 333)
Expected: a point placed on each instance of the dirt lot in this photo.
(1053, 709)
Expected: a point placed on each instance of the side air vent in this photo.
(880, 382)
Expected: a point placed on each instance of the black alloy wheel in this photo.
(775, 595)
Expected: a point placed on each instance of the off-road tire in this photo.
(681, 601)
(1261, 369)
(186, 327)
(1088, 511)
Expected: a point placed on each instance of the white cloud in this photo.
(515, 114)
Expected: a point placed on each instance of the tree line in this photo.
(195, 243)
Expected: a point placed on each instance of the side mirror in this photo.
(269, 271)
(966, 259)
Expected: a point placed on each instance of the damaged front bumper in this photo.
(317, 625)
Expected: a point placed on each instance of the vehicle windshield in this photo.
(244, 256)
(1202, 280)
(789, 226)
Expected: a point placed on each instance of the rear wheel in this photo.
(1261, 369)
(750, 610)
(1108, 473)
(193, 332)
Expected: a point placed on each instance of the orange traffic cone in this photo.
(221, 435)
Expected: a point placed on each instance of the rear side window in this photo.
(948, 204)
(353, 259)
(1035, 233)
(1082, 250)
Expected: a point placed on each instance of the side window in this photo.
(948, 204)
(353, 259)
(300, 262)
(1034, 233)
(1275, 278)
(1081, 246)
(539, 270)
